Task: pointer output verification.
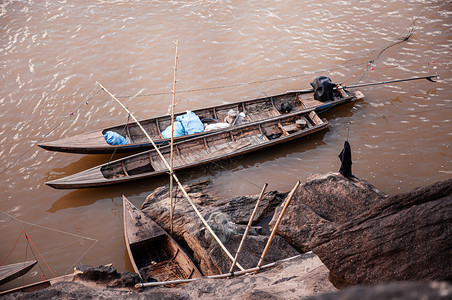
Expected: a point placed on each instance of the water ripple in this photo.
(54, 52)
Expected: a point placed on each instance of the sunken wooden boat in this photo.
(255, 110)
(12, 271)
(197, 151)
(154, 253)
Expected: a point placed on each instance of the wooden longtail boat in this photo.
(153, 253)
(255, 110)
(197, 151)
(36, 286)
(12, 271)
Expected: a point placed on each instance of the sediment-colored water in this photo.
(54, 52)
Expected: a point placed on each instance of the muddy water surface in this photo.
(54, 52)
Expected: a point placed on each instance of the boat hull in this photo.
(153, 253)
(256, 110)
(197, 151)
(12, 271)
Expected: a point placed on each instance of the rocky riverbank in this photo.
(357, 234)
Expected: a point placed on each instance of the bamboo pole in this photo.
(242, 242)
(226, 275)
(429, 78)
(270, 239)
(175, 178)
(173, 103)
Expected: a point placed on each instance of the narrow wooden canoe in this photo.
(12, 271)
(255, 110)
(153, 253)
(197, 151)
(36, 286)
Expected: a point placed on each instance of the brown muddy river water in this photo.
(52, 53)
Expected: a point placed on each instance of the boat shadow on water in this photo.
(87, 197)
(84, 162)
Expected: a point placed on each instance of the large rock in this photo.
(323, 200)
(393, 290)
(295, 279)
(404, 237)
(227, 217)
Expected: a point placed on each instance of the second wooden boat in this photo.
(197, 151)
(12, 271)
(153, 253)
(255, 110)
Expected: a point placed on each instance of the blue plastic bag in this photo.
(178, 130)
(114, 138)
(191, 123)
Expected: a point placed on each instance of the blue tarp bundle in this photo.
(178, 130)
(114, 138)
(191, 123)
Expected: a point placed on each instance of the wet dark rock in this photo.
(127, 279)
(228, 219)
(107, 275)
(404, 237)
(100, 273)
(323, 200)
(364, 238)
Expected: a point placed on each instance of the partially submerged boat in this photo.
(255, 110)
(197, 151)
(12, 271)
(154, 254)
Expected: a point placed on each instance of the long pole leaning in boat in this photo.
(175, 178)
(219, 276)
(429, 78)
(173, 103)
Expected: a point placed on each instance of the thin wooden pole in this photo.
(175, 178)
(173, 103)
(429, 78)
(251, 270)
(242, 242)
(289, 198)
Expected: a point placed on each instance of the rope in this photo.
(348, 130)
(400, 38)
(28, 243)
(52, 229)
(359, 71)
(48, 228)
(80, 258)
(369, 66)
(210, 119)
(244, 84)
(239, 176)
(12, 249)
(398, 41)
